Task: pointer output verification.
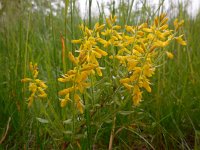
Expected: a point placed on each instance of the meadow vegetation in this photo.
(124, 80)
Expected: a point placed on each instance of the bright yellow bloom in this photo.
(37, 87)
(64, 101)
(169, 55)
(180, 40)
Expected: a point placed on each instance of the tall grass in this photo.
(166, 119)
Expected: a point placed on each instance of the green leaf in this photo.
(68, 121)
(42, 120)
(67, 132)
(108, 121)
(125, 113)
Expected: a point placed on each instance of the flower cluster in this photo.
(139, 50)
(37, 87)
(136, 48)
(85, 64)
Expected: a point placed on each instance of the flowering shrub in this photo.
(127, 56)
(37, 87)
(135, 48)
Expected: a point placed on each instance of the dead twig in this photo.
(5, 134)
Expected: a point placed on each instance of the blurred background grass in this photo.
(166, 119)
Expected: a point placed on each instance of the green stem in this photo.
(90, 17)
(87, 117)
(112, 134)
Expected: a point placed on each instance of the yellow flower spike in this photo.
(164, 21)
(64, 92)
(128, 86)
(107, 32)
(64, 79)
(148, 70)
(72, 58)
(177, 24)
(30, 101)
(76, 97)
(151, 36)
(114, 38)
(148, 30)
(166, 33)
(140, 33)
(26, 80)
(181, 23)
(63, 102)
(108, 23)
(97, 55)
(169, 55)
(98, 50)
(72, 72)
(113, 19)
(164, 27)
(41, 83)
(146, 86)
(125, 80)
(32, 87)
(31, 66)
(162, 16)
(42, 95)
(156, 21)
(88, 31)
(139, 49)
(180, 40)
(159, 43)
(76, 41)
(137, 95)
(78, 103)
(89, 67)
(143, 25)
(99, 71)
(85, 74)
(80, 107)
(116, 27)
(35, 73)
(96, 25)
(100, 27)
(129, 28)
(36, 86)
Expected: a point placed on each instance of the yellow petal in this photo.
(76, 41)
(63, 102)
(99, 71)
(26, 80)
(169, 55)
(80, 107)
(180, 40)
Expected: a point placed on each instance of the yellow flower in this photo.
(180, 40)
(177, 24)
(26, 80)
(72, 58)
(64, 101)
(137, 95)
(78, 103)
(37, 87)
(76, 41)
(169, 55)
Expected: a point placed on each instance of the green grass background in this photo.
(168, 118)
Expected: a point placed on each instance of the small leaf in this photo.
(125, 113)
(68, 121)
(42, 120)
(97, 105)
(67, 132)
(108, 121)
